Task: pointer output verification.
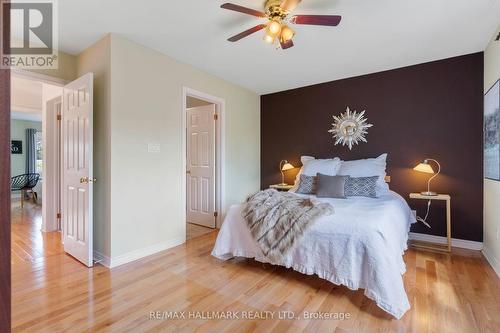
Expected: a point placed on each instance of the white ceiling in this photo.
(373, 36)
(26, 99)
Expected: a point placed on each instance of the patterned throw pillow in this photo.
(361, 187)
(307, 184)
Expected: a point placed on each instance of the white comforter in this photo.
(359, 246)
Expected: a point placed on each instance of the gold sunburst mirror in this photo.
(350, 128)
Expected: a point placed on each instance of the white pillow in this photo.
(367, 168)
(328, 167)
(305, 159)
(312, 166)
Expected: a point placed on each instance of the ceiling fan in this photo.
(277, 29)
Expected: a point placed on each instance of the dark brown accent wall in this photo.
(5, 291)
(430, 110)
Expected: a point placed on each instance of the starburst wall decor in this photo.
(350, 128)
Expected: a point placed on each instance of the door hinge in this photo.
(216, 116)
(216, 214)
(59, 117)
(58, 215)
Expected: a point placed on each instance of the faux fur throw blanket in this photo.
(277, 220)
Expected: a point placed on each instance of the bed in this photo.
(359, 246)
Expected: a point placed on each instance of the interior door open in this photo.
(77, 174)
(201, 165)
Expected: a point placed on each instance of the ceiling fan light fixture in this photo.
(277, 14)
(269, 38)
(273, 30)
(274, 27)
(287, 33)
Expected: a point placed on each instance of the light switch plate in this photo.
(154, 148)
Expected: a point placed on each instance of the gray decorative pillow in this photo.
(361, 187)
(307, 184)
(331, 186)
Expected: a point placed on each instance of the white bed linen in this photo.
(359, 246)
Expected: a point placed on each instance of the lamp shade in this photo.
(287, 33)
(268, 38)
(274, 27)
(287, 166)
(424, 167)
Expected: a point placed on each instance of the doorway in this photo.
(31, 145)
(53, 134)
(203, 154)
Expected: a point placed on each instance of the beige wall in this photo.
(492, 188)
(138, 100)
(146, 104)
(96, 59)
(67, 68)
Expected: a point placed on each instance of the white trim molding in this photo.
(220, 158)
(24, 74)
(136, 254)
(102, 259)
(51, 134)
(455, 242)
(494, 262)
(29, 116)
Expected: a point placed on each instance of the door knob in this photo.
(86, 180)
(188, 172)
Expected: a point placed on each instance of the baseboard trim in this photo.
(102, 259)
(112, 262)
(455, 242)
(494, 262)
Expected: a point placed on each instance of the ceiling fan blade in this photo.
(289, 5)
(245, 33)
(286, 45)
(330, 20)
(243, 10)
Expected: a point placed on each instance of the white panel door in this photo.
(77, 175)
(201, 165)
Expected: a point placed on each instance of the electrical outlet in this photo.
(414, 213)
(498, 233)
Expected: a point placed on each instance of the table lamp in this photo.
(427, 168)
(284, 165)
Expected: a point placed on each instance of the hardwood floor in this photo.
(54, 293)
(194, 230)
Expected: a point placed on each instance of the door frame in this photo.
(5, 205)
(220, 143)
(52, 184)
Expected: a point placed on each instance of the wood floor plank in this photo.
(457, 292)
